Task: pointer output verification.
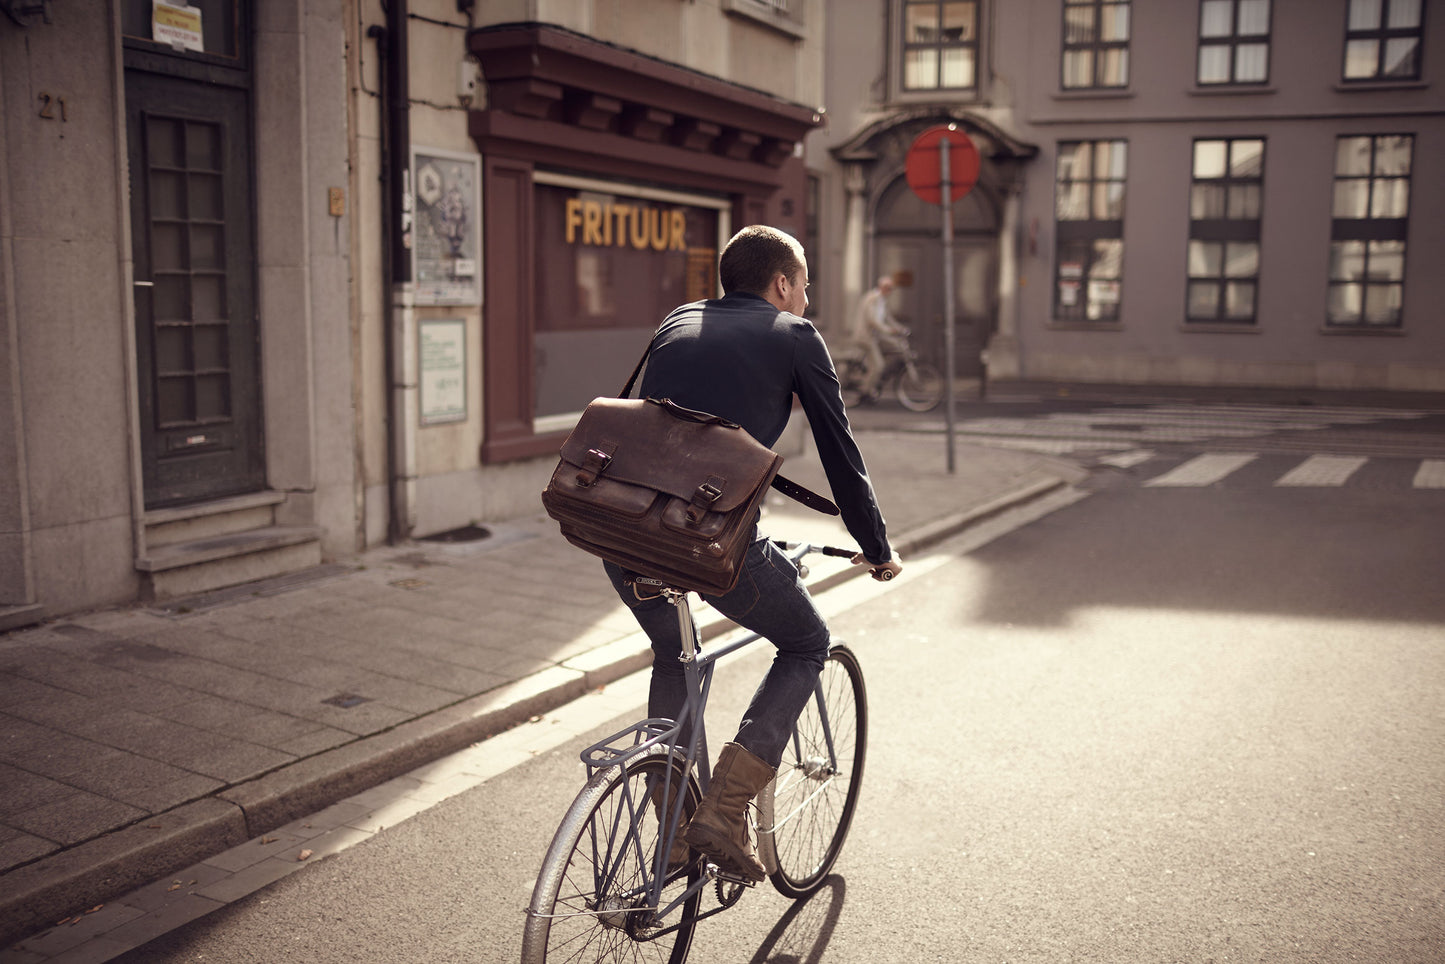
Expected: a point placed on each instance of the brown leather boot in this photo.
(680, 854)
(719, 828)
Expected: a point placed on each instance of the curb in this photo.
(99, 870)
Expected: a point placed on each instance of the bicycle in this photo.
(605, 892)
(918, 385)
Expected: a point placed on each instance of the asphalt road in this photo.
(1159, 724)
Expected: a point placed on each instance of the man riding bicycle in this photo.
(875, 332)
(744, 357)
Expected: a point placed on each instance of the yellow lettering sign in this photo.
(609, 224)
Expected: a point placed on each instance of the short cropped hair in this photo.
(754, 257)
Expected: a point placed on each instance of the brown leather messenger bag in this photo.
(665, 491)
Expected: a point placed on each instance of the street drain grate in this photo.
(347, 700)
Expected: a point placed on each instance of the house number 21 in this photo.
(53, 108)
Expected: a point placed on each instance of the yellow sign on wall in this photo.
(613, 224)
(177, 25)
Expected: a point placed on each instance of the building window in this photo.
(940, 45)
(1382, 40)
(1233, 42)
(1089, 228)
(1225, 200)
(1096, 44)
(1367, 236)
(782, 15)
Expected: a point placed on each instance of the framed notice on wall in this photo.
(443, 369)
(446, 256)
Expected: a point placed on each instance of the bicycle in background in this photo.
(917, 385)
(606, 892)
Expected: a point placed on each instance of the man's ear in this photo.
(777, 293)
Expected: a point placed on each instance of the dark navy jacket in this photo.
(743, 359)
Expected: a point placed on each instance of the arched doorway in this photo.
(888, 230)
(908, 246)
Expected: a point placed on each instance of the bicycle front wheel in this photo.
(920, 387)
(590, 900)
(816, 791)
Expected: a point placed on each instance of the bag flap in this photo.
(639, 441)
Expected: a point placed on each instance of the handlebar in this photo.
(801, 549)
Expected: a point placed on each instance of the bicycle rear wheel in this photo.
(588, 902)
(815, 794)
(920, 387)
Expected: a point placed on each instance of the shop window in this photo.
(1225, 202)
(940, 45)
(1089, 228)
(1096, 44)
(1383, 40)
(611, 265)
(1367, 238)
(1233, 42)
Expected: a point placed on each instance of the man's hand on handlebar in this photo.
(884, 571)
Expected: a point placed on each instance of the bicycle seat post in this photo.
(686, 628)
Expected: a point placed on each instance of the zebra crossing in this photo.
(1123, 428)
(1309, 471)
(1171, 445)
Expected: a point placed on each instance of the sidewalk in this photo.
(138, 741)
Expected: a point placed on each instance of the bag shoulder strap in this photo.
(632, 379)
(788, 487)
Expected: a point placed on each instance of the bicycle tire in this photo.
(598, 834)
(809, 808)
(920, 388)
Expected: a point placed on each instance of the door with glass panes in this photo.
(188, 124)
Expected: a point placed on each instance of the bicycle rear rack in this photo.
(624, 746)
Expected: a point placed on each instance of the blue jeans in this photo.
(769, 600)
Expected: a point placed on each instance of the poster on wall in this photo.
(446, 256)
(443, 359)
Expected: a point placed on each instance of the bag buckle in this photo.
(702, 500)
(595, 464)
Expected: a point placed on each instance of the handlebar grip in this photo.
(835, 551)
(884, 575)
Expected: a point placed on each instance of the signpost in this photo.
(942, 166)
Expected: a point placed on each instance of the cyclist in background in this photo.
(876, 331)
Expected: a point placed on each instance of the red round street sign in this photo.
(924, 170)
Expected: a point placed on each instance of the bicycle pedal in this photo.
(714, 872)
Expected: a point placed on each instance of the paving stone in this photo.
(41, 750)
(153, 738)
(141, 782)
(75, 818)
(24, 790)
(18, 689)
(85, 925)
(18, 847)
(252, 852)
(162, 920)
(256, 725)
(173, 888)
(317, 741)
(251, 879)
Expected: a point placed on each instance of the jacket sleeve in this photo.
(815, 382)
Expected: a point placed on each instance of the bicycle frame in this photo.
(657, 735)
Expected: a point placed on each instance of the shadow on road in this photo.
(802, 934)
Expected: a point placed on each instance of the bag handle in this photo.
(692, 414)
